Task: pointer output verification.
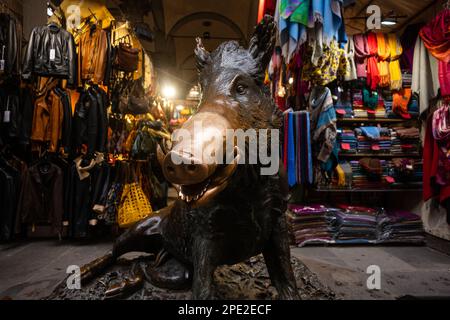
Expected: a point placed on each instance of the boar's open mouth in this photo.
(216, 183)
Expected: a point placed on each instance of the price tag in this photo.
(345, 146)
(52, 54)
(376, 147)
(390, 179)
(7, 116)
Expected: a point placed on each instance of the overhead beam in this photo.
(416, 15)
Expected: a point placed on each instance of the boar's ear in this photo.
(263, 40)
(201, 54)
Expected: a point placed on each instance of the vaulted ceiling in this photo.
(176, 24)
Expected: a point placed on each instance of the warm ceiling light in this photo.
(389, 22)
(169, 92)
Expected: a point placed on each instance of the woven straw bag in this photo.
(134, 206)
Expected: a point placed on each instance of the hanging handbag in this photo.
(137, 102)
(135, 205)
(127, 58)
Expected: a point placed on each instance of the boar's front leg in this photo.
(145, 236)
(277, 255)
(204, 262)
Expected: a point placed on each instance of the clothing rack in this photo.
(4, 8)
(447, 4)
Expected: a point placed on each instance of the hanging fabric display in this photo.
(394, 65)
(361, 54)
(436, 38)
(373, 75)
(384, 54)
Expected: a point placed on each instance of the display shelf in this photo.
(380, 155)
(372, 120)
(336, 190)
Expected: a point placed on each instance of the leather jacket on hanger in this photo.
(51, 53)
(41, 196)
(8, 39)
(91, 120)
(93, 55)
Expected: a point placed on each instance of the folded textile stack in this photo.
(380, 111)
(400, 227)
(343, 176)
(347, 141)
(413, 109)
(310, 224)
(344, 110)
(358, 102)
(343, 105)
(405, 170)
(360, 112)
(362, 179)
(320, 224)
(405, 140)
(373, 140)
(354, 225)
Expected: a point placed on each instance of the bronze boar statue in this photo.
(225, 213)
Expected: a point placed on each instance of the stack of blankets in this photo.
(406, 171)
(355, 107)
(318, 224)
(344, 108)
(413, 109)
(369, 173)
(347, 141)
(376, 140)
(373, 140)
(405, 140)
(362, 179)
(398, 226)
(354, 225)
(310, 224)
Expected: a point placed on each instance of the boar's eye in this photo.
(241, 89)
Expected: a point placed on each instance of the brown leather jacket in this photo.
(92, 56)
(48, 117)
(41, 196)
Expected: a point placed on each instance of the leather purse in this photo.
(127, 58)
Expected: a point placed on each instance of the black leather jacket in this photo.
(8, 39)
(37, 57)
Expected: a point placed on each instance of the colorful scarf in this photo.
(361, 54)
(373, 75)
(384, 53)
(351, 66)
(441, 123)
(401, 101)
(436, 36)
(394, 66)
(295, 10)
(444, 78)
